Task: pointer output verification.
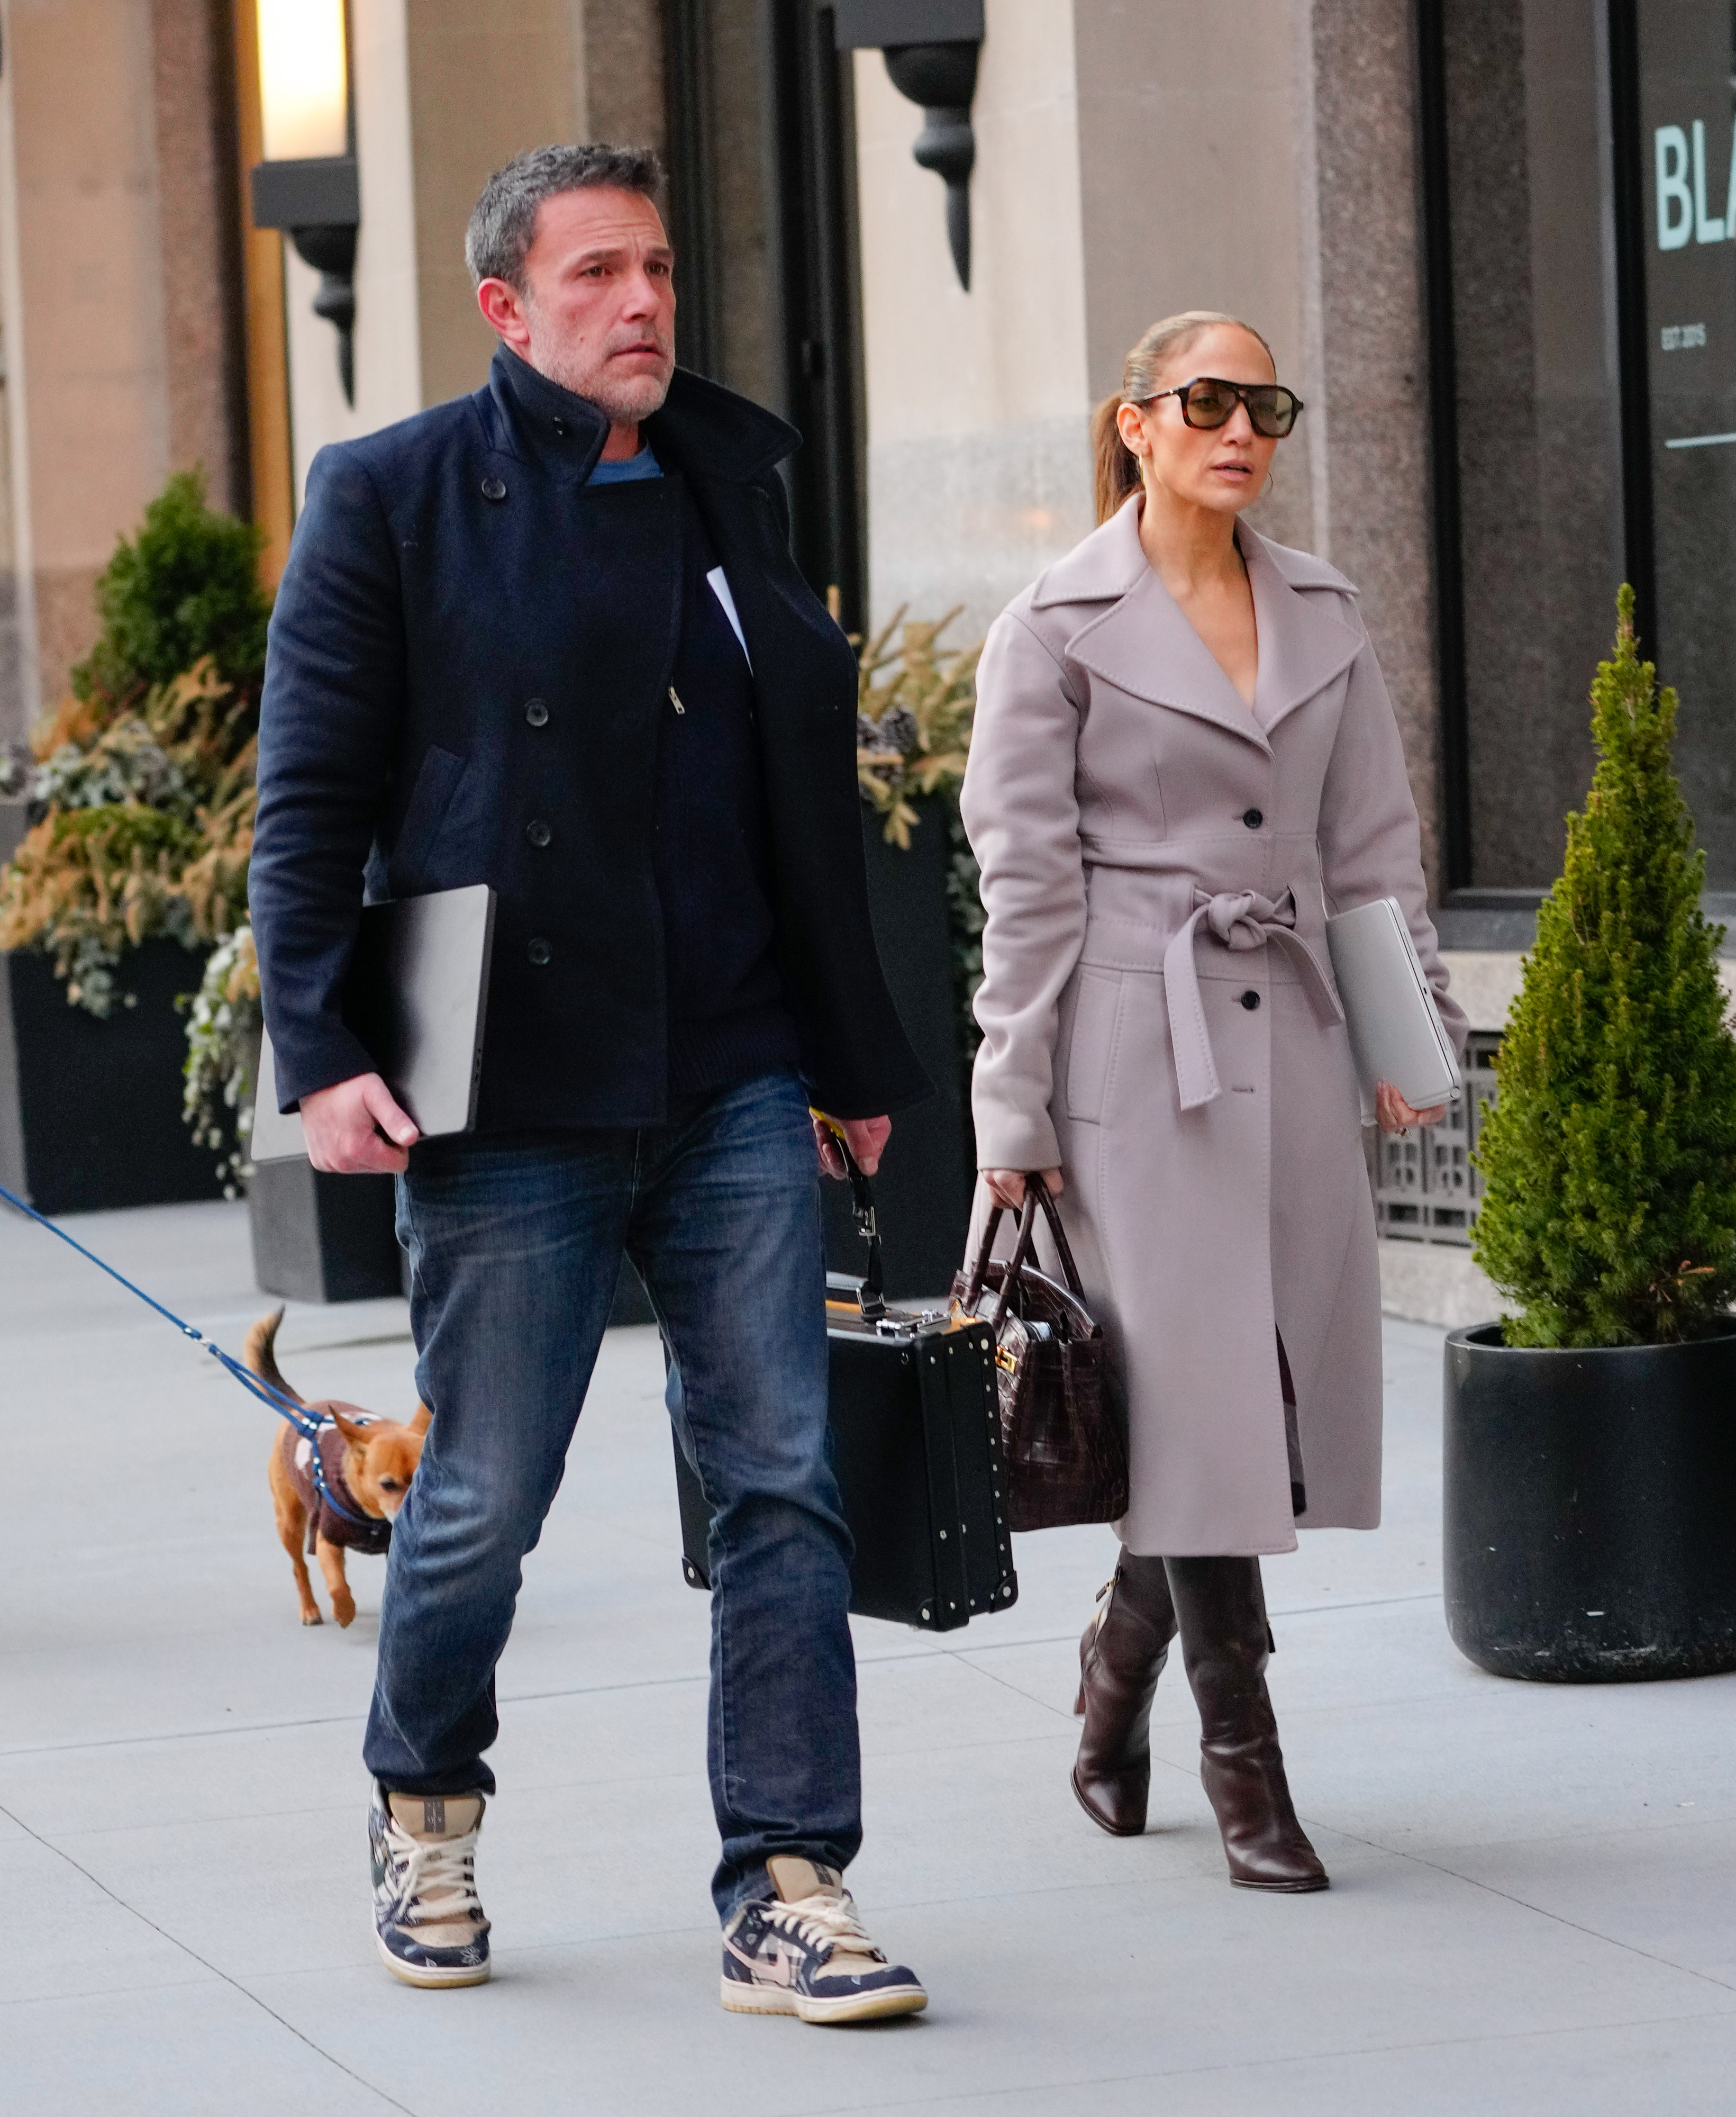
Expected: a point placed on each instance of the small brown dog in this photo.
(368, 1463)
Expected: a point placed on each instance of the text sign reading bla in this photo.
(1679, 163)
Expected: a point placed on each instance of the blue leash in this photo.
(305, 1422)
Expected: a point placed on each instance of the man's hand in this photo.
(343, 1126)
(1007, 1186)
(867, 1138)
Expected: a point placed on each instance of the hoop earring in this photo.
(1267, 486)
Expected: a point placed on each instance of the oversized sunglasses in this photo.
(1210, 402)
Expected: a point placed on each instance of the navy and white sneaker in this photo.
(428, 1924)
(804, 1951)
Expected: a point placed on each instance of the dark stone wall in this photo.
(1539, 494)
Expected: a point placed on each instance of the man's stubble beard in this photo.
(622, 403)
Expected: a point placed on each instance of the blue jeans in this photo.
(516, 1244)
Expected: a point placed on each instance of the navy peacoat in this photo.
(466, 676)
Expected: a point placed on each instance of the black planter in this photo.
(922, 1192)
(95, 1118)
(320, 1238)
(1591, 1509)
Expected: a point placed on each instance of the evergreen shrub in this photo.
(186, 587)
(140, 788)
(1610, 1156)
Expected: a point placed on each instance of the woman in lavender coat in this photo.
(1184, 757)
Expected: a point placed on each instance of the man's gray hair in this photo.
(503, 222)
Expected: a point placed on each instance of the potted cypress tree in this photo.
(1591, 1435)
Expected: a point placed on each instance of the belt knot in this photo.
(1241, 919)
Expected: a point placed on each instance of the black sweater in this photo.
(711, 850)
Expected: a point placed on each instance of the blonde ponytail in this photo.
(1115, 468)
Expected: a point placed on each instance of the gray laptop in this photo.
(1395, 1029)
(415, 997)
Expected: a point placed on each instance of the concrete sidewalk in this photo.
(1532, 1908)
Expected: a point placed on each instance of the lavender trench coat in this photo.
(1159, 1018)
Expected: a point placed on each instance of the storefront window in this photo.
(1688, 58)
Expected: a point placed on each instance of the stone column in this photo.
(119, 302)
(485, 82)
(1374, 386)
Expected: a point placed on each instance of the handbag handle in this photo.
(1014, 1273)
(1036, 1196)
(1063, 1248)
(871, 1293)
(979, 1270)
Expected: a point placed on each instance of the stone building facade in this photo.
(1489, 241)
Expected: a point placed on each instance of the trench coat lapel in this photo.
(1142, 644)
(1303, 645)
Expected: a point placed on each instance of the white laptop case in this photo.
(1395, 1032)
(415, 997)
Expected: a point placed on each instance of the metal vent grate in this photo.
(1425, 1189)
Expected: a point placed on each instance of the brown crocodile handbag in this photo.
(1062, 1443)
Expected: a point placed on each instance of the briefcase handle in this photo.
(871, 1293)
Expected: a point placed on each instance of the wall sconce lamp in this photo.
(930, 47)
(307, 183)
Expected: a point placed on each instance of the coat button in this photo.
(1253, 818)
(536, 713)
(539, 951)
(493, 488)
(559, 427)
(1250, 1000)
(538, 832)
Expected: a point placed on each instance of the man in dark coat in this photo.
(551, 638)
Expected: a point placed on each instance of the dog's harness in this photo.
(316, 1467)
(309, 1424)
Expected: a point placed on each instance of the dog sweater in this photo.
(370, 1534)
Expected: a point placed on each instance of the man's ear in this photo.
(419, 1424)
(503, 311)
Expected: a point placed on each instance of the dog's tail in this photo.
(260, 1353)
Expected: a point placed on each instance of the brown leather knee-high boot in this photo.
(1224, 1647)
(1120, 1658)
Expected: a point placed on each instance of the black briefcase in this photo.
(916, 1445)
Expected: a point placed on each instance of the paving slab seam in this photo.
(1276, 1611)
(323, 1720)
(1573, 1926)
(222, 1976)
(1487, 1686)
(1348, 2051)
(503, 1958)
(1565, 1837)
(1062, 1712)
(962, 1655)
(63, 1993)
(344, 1811)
